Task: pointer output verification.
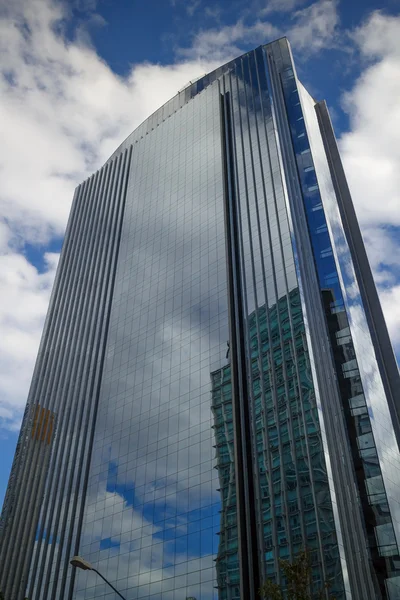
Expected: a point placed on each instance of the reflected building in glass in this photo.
(215, 388)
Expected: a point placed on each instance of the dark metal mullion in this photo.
(278, 318)
(266, 299)
(59, 285)
(247, 411)
(236, 186)
(232, 308)
(282, 344)
(73, 428)
(290, 418)
(58, 379)
(239, 221)
(57, 499)
(112, 251)
(97, 332)
(235, 325)
(94, 329)
(25, 428)
(97, 377)
(60, 386)
(271, 352)
(12, 565)
(66, 269)
(59, 343)
(259, 529)
(25, 435)
(272, 373)
(282, 470)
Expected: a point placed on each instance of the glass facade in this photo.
(296, 509)
(152, 507)
(210, 394)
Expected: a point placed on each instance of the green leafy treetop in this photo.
(298, 577)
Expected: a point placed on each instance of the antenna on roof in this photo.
(190, 82)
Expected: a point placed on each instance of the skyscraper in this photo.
(215, 387)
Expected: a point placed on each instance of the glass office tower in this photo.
(215, 388)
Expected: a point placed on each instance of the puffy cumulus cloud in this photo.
(281, 6)
(309, 30)
(371, 149)
(225, 43)
(371, 154)
(63, 111)
(315, 27)
(378, 37)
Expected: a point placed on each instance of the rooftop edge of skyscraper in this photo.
(183, 96)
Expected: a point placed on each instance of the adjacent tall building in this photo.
(215, 387)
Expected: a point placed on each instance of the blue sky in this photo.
(79, 76)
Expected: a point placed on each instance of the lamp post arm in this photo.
(111, 586)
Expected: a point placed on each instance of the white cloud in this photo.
(281, 6)
(310, 30)
(371, 149)
(225, 43)
(371, 154)
(378, 37)
(315, 27)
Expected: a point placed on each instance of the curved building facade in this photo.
(215, 388)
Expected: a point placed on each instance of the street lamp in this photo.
(80, 563)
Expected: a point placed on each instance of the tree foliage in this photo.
(298, 577)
